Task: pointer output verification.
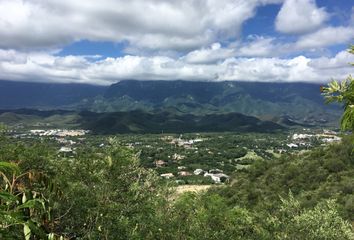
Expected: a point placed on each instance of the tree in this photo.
(24, 205)
(343, 92)
(108, 195)
(321, 222)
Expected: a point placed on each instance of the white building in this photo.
(198, 171)
(217, 177)
(167, 175)
(292, 145)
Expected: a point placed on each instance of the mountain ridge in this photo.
(136, 121)
(301, 102)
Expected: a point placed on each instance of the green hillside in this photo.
(137, 121)
(324, 173)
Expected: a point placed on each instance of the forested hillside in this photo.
(324, 173)
(136, 121)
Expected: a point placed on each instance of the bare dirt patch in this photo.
(191, 188)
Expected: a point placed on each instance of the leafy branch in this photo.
(342, 92)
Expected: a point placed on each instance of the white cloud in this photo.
(260, 46)
(270, 70)
(312, 43)
(44, 67)
(154, 24)
(341, 60)
(325, 37)
(209, 55)
(300, 16)
(256, 46)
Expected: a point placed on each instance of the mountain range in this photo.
(173, 102)
(298, 101)
(136, 121)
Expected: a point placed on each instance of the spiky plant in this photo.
(342, 92)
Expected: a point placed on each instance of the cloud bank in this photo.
(153, 24)
(43, 67)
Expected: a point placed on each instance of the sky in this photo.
(103, 42)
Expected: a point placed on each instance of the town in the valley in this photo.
(191, 158)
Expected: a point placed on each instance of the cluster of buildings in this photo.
(175, 158)
(304, 139)
(62, 136)
(180, 142)
(216, 175)
(59, 132)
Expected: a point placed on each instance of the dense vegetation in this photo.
(324, 173)
(106, 194)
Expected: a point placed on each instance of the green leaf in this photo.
(31, 204)
(347, 121)
(7, 197)
(27, 231)
(36, 230)
(9, 167)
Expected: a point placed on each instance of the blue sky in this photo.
(210, 40)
